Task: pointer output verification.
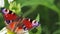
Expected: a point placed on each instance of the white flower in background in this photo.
(3, 31)
(1, 3)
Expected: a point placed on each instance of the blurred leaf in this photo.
(34, 30)
(6, 4)
(37, 30)
(57, 3)
(38, 17)
(57, 31)
(48, 3)
(2, 24)
(15, 7)
(30, 11)
(58, 23)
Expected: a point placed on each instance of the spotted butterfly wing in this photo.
(10, 19)
(8, 15)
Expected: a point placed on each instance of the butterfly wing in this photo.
(27, 24)
(8, 15)
(30, 24)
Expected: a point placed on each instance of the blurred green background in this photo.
(47, 12)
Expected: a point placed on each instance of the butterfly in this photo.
(16, 23)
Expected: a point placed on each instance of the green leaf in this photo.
(57, 31)
(16, 8)
(2, 24)
(6, 4)
(38, 17)
(48, 3)
(39, 30)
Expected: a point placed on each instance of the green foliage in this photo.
(16, 8)
(2, 24)
(57, 31)
(34, 30)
